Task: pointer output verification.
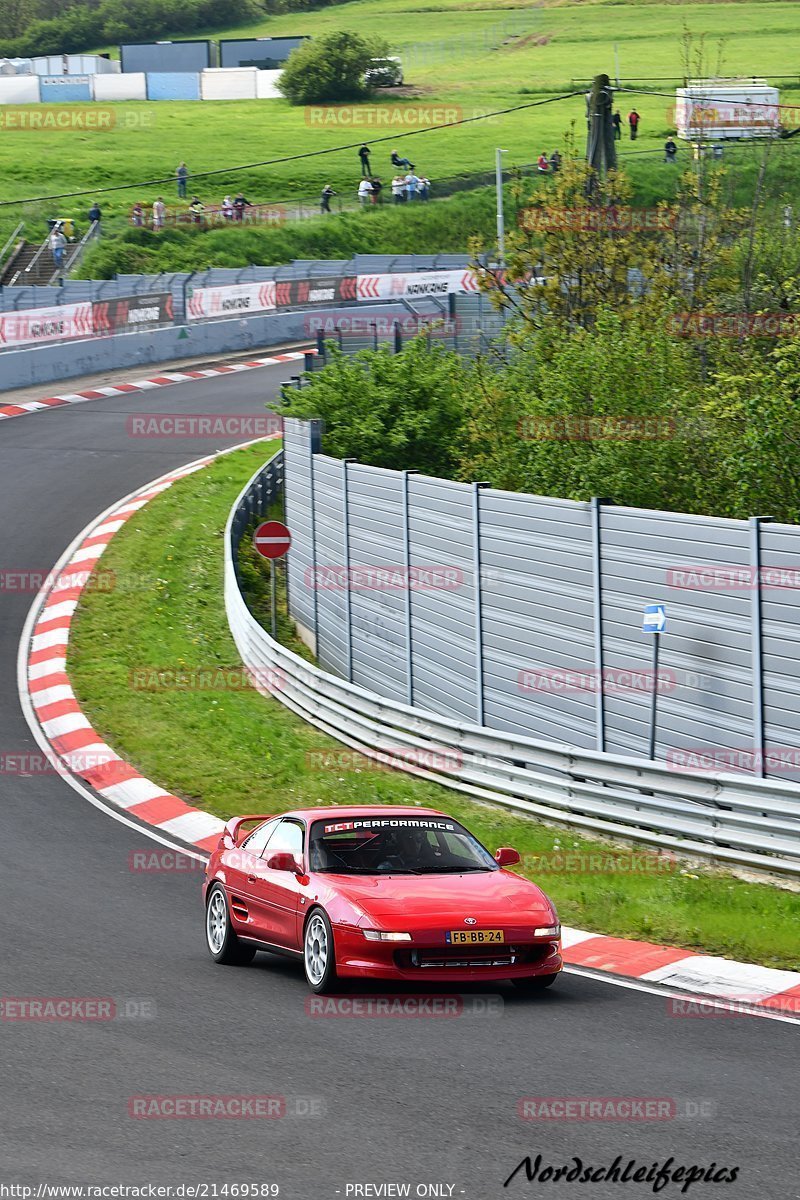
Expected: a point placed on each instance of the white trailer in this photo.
(714, 109)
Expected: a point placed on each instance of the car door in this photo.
(241, 867)
(277, 893)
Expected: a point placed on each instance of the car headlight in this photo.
(378, 935)
(547, 931)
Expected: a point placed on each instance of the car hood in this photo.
(481, 894)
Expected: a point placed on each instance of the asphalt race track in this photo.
(418, 1101)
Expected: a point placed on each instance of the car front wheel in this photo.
(319, 956)
(223, 944)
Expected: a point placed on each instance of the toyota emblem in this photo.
(470, 921)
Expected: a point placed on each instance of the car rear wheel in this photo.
(534, 983)
(223, 944)
(319, 955)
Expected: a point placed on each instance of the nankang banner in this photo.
(232, 300)
(32, 326)
(132, 312)
(419, 284)
(294, 293)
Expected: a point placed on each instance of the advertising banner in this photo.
(419, 284)
(132, 312)
(237, 299)
(32, 326)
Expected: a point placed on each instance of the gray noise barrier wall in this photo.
(524, 613)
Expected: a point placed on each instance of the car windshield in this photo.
(396, 846)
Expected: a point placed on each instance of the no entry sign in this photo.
(272, 539)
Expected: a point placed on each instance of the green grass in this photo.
(236, 751)
(447, 47)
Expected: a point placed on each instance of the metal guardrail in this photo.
(9, 244)
(76, 254)
(729, 818)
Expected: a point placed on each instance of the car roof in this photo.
(363, 810)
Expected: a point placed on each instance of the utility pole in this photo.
(501, 224)
(601, 152)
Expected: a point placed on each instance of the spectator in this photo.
(399, 189)
(57, 245)
(670, 151)
(543, 163)
(412, 185)
(364, 192)
(239, 205)
(325, 198)
(555, 162)
(397, 161)
(363, 154)
(616, 121)
(95, 214)
(159, 213)
(633, 121)
(197, 209)
(377, 188)
(424, 187)
(137, 215)
(182, 174)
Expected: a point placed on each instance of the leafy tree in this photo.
(403, 410)
(330, 68)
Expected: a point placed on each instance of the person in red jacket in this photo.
(633, 121)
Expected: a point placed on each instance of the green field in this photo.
(461, 58)
(233, 751)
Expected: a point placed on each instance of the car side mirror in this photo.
(282, 860)
(506, 857)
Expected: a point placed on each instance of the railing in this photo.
(729, 818)
(10, 243)
(71, 260)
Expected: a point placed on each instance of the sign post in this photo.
(271, 540)
(655, 622)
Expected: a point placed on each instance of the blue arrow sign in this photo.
(655, 618)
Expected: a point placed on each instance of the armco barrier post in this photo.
(476, 572)
(757, 643)
(597, 618)
(398, 338)
(407, 598)
(314, 447)
(348, 593)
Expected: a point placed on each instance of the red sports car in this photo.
(383, 893)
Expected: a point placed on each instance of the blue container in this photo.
(173, 85)
(65, 89)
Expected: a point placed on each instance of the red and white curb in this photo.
(143, 385)
(723, 983)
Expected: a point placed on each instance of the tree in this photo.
(330, 68)
(390, 410)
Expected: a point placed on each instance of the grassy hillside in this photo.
(461, 55)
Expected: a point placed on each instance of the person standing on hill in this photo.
(364, 192)
(363, 154)
(633, 121)
(159, 213)
(239, 205)
(616, 121)
(95, 215)
(182, 174)
(57, 246)
(325, 198)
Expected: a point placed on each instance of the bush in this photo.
(330, 68)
